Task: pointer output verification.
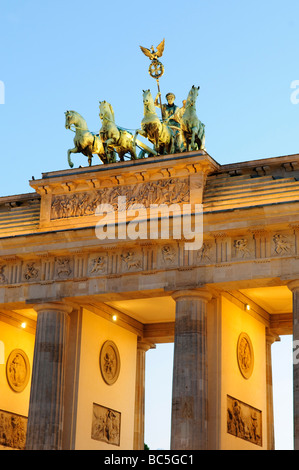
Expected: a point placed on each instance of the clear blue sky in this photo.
(59, 55)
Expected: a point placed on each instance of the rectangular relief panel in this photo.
(244, 421)
(13, 428)
(105, 425)
(165, 191)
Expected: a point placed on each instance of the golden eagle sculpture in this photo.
(151, 53)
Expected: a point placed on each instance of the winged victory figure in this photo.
(151, 53)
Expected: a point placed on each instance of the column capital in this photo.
(198, 293)
(56, 306)
(271, 337)
(143, 345)
(293, 285)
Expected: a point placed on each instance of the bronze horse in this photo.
(192, 129)
(153, 129)
(85, 141)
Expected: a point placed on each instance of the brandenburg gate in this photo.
(93, 307)
(91, 279)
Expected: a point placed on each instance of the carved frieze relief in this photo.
(31, 271)
(169, 255)
(3, 279)
(131, 261)
(98, 264)
(149, 256)
(63, 267)
(241, 248)
(165, 191)
(206, 254)
(283, 245)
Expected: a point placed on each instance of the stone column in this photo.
(142, 348)
(294, 287)
(270, 339)
(45, 420)
(189, 426)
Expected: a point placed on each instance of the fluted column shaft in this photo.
(142, 348)
(270, 339)
(294, 287)
(45, 420)
(190, 384)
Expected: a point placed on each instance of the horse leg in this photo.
(171, 145)
(107, 143)
(102, 157)
(140, 132)
(202, 140)
(194, 131)
(111, 156)
(121, 155)
(184, 141)
(135, 136)
(74, 150)
(108, 157)
(156, 144)
(199, 142)
(133, 153)
(98, 149)
(88, 153)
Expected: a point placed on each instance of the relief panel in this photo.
(168, 255)
(17, 370)
(242, 248)
(244, 421)
(259, 247)
(109, 362)
(13, 428)
(97, 264)
(131, 261)
(105, 425)
(207, 253)
(166, 191)
(245, 355)
(282, 244)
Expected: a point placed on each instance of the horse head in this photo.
(193, 93)
(72, 117)
(69, 115)
(147, 97)
(148, 102)
(106, 110)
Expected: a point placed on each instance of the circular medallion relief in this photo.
(245, 355)
(17, 370)
(109, 362)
